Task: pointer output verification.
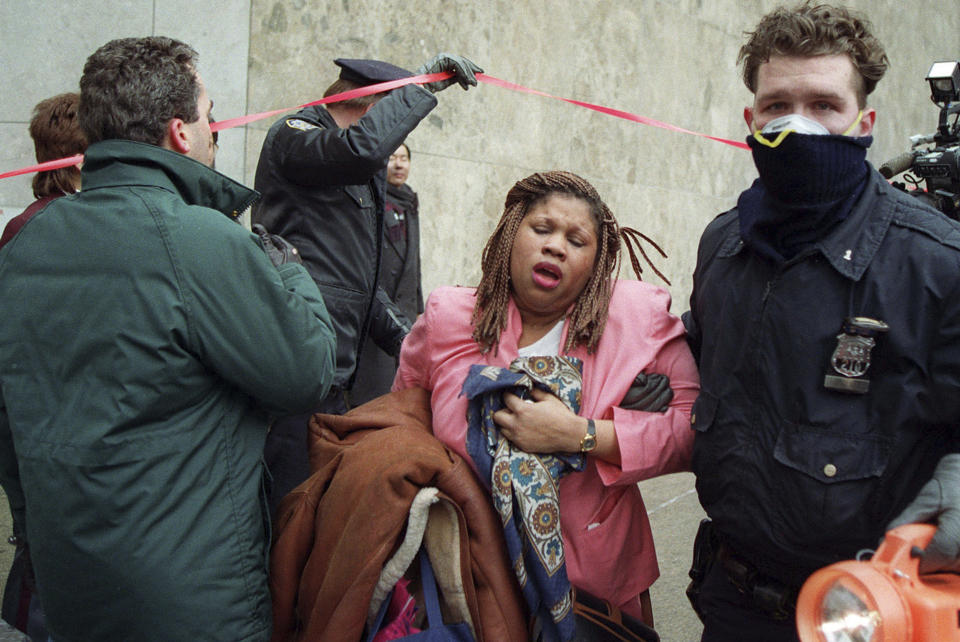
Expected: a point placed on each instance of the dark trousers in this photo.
(286, 452)
(729, 616)
(21, 602)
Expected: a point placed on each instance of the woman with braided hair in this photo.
(549, 314)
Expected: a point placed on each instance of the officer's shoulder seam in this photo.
(929, 223)
(731, 212)
(722, 220)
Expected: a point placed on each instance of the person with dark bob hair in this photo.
(550, 312)
(56, 134)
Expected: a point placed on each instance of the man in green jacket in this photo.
(146, 341)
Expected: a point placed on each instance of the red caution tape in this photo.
(393, 84)
(45, 167)
(607, 110)
(335, 98)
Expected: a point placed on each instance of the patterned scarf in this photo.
(524, 486)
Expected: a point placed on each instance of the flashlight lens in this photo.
(845, 617)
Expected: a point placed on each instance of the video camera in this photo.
(938, 166)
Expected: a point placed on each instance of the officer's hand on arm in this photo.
(464, 71)
(388, 325)
(938, 500)
(648, 392)
(277, 248)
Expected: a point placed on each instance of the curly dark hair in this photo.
(132, 87)
(56, 134)
(815, 30)
(589, 315)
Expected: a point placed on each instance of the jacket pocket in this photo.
(360, 195)
(705, 459)
(830, 482)
(613, 547)
(607, 506)
(830, 457)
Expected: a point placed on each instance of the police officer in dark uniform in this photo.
(321, 176)
(825, 318)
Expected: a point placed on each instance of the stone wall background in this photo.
(670, 61)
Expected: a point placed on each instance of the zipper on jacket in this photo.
(763, 298)
(755, 348)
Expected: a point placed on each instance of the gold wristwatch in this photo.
(589, 440)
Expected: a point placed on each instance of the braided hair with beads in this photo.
(589, 314)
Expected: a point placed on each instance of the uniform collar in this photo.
(124, 163)
(852, 245)
(320, 114)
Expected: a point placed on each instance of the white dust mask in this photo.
(795, 122)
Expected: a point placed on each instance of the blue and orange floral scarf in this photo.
(524, 485)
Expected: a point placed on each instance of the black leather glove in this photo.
(938, 501)
(462, 68)
(650, 392)
(278, 249)
(388, 324)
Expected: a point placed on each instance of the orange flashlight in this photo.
(884, 599)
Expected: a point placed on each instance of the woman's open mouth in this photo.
(547, 275)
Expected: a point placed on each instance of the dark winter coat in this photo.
(400, 279)
(145, 339)
(797, 475)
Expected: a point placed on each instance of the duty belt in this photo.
(768, 594)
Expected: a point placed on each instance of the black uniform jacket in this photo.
(323, 190)
(400, 279)
(400, 265)
(795, 475)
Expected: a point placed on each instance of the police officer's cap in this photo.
(369, 72)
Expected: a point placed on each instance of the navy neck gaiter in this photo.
(807, 185)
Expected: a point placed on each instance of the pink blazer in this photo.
(606, 534)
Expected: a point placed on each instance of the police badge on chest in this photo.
(851, 358)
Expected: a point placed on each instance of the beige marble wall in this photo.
(670, 61)
(44, 44)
